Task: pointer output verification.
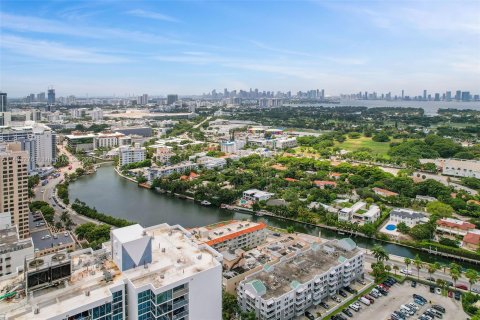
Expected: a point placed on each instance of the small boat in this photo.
(205, 203)
(341, 232)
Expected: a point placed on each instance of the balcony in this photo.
(180, 315)
(179, 293)
(180, 304)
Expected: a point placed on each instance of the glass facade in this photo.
(168, 305)
(108, 311)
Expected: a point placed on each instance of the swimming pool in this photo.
(391, 227)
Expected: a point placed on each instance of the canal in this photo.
(115, 196)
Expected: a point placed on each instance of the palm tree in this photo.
(388, 268)
(472, 276)
(431, 269)
(380, 253)
(418, 264)
(395, 268)
(407, 262)
(455, 274)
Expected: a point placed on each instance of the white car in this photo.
(406, 271)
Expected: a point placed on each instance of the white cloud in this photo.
(151, 15)
(55, 51)
(38, 25)
(314, 57)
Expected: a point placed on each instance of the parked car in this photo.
(347, 312)
(432, 289)
(458, 295)
(369, 298)
(414, 284)
(354, 307)
(439, 308)
(309, 315)
(461, 286)
(438, 290)
(419, 297)
(324, 305)
(365, 301)
(342, 293)
(431, 279)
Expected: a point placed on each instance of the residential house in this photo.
(384, 192)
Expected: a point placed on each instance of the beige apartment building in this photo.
(14, 186)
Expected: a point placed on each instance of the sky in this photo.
(124, 47)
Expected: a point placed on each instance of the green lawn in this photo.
(380, 148)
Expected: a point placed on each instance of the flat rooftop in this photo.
(284, 276)
(225, 230)
(174, 256)
(9, 240)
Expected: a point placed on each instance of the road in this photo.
(198, 125)
(45, 193)
(399, 261)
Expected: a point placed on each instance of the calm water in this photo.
(430, 107)
(113, 195)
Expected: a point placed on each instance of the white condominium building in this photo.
(231, 235)
(287, 288)
(129, 154)
(107, 140)
(96, 114)
(159, 172)
(152, 273)
(457, 167)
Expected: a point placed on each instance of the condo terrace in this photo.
(286, 275)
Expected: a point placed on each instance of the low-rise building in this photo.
(211, 163)
(256, 195)
(384, 192)
(158, 172)
(286, 289)
(79, 141)
(107, 140)
(346, 214)
(370, 215)
(454, 226)
(228, 146)
(325, 183)
(231, 235)
(472, 240)
(409, 217)
(457, 167)
(164, 153)
(131, 154)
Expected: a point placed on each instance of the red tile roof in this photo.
(472, 238)
(450, 224)
(233, 235)
(322, 183)
(385, 192)
(290, 180)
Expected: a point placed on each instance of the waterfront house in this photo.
(454, 226)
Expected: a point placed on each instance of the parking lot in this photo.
(402, 294)
(332, 305)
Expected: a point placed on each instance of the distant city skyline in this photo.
(190, 47)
